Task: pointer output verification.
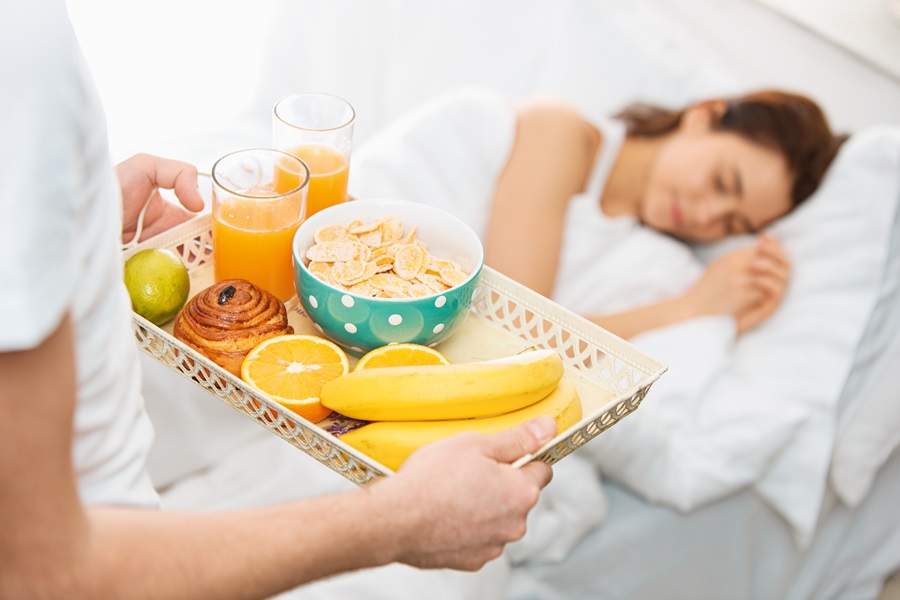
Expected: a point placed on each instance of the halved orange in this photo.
(292, 369)
(400, 355)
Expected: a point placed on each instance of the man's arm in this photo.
(454, 504)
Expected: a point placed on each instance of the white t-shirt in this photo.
(60, 223)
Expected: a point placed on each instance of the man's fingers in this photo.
(154, 171)
(170, 216)
(183, 183)
(512, 444)
(541, 471)
(170, 174)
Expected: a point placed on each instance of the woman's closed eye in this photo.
(719, 184)
(738, 224)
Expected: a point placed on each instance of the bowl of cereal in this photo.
(374, 272)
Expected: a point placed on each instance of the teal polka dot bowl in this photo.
(359, 322)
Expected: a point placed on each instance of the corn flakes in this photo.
(378, 260)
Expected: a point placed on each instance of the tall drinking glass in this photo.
(255, 213)
(317, 128)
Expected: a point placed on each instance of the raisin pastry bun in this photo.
(227, 320)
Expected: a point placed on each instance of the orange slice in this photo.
(292, 369)
(400, 355)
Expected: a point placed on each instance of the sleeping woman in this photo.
(572, 189)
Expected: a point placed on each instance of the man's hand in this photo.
(462, 499)
(140, 177)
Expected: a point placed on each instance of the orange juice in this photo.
(253, 242)
(328, 171)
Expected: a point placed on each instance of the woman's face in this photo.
(706, 185)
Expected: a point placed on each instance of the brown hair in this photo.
(790, 123)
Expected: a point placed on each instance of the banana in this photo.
(391, 442)
(457, 391)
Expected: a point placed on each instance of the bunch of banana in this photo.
(391, 442)
(413, 406)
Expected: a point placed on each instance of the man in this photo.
(78, 511)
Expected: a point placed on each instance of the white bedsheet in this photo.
(736, 548)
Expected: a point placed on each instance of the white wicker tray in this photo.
(611, 375)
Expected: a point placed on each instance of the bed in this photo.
(760, 467)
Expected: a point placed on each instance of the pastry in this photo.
(227, 320)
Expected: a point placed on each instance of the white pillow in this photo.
(839, 243)
(869, 424)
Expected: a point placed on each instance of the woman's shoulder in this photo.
(558, 131)
(555, 115)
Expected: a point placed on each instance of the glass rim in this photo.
(346, 123)
(268, 196)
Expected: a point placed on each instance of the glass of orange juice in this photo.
(317, 128)
(256, 210)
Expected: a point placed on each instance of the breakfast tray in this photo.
(611, 375)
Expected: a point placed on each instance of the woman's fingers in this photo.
(770, 270)
(768, 247)
(770, 259)
(756, 315)
(770, 285)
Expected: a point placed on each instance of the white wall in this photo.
(778, 51)
(173, 69)
(170, 68)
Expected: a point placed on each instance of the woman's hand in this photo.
(748, 284)
(143, 175)
(771, 271)
(727, 287)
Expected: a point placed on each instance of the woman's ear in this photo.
(700, 117)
